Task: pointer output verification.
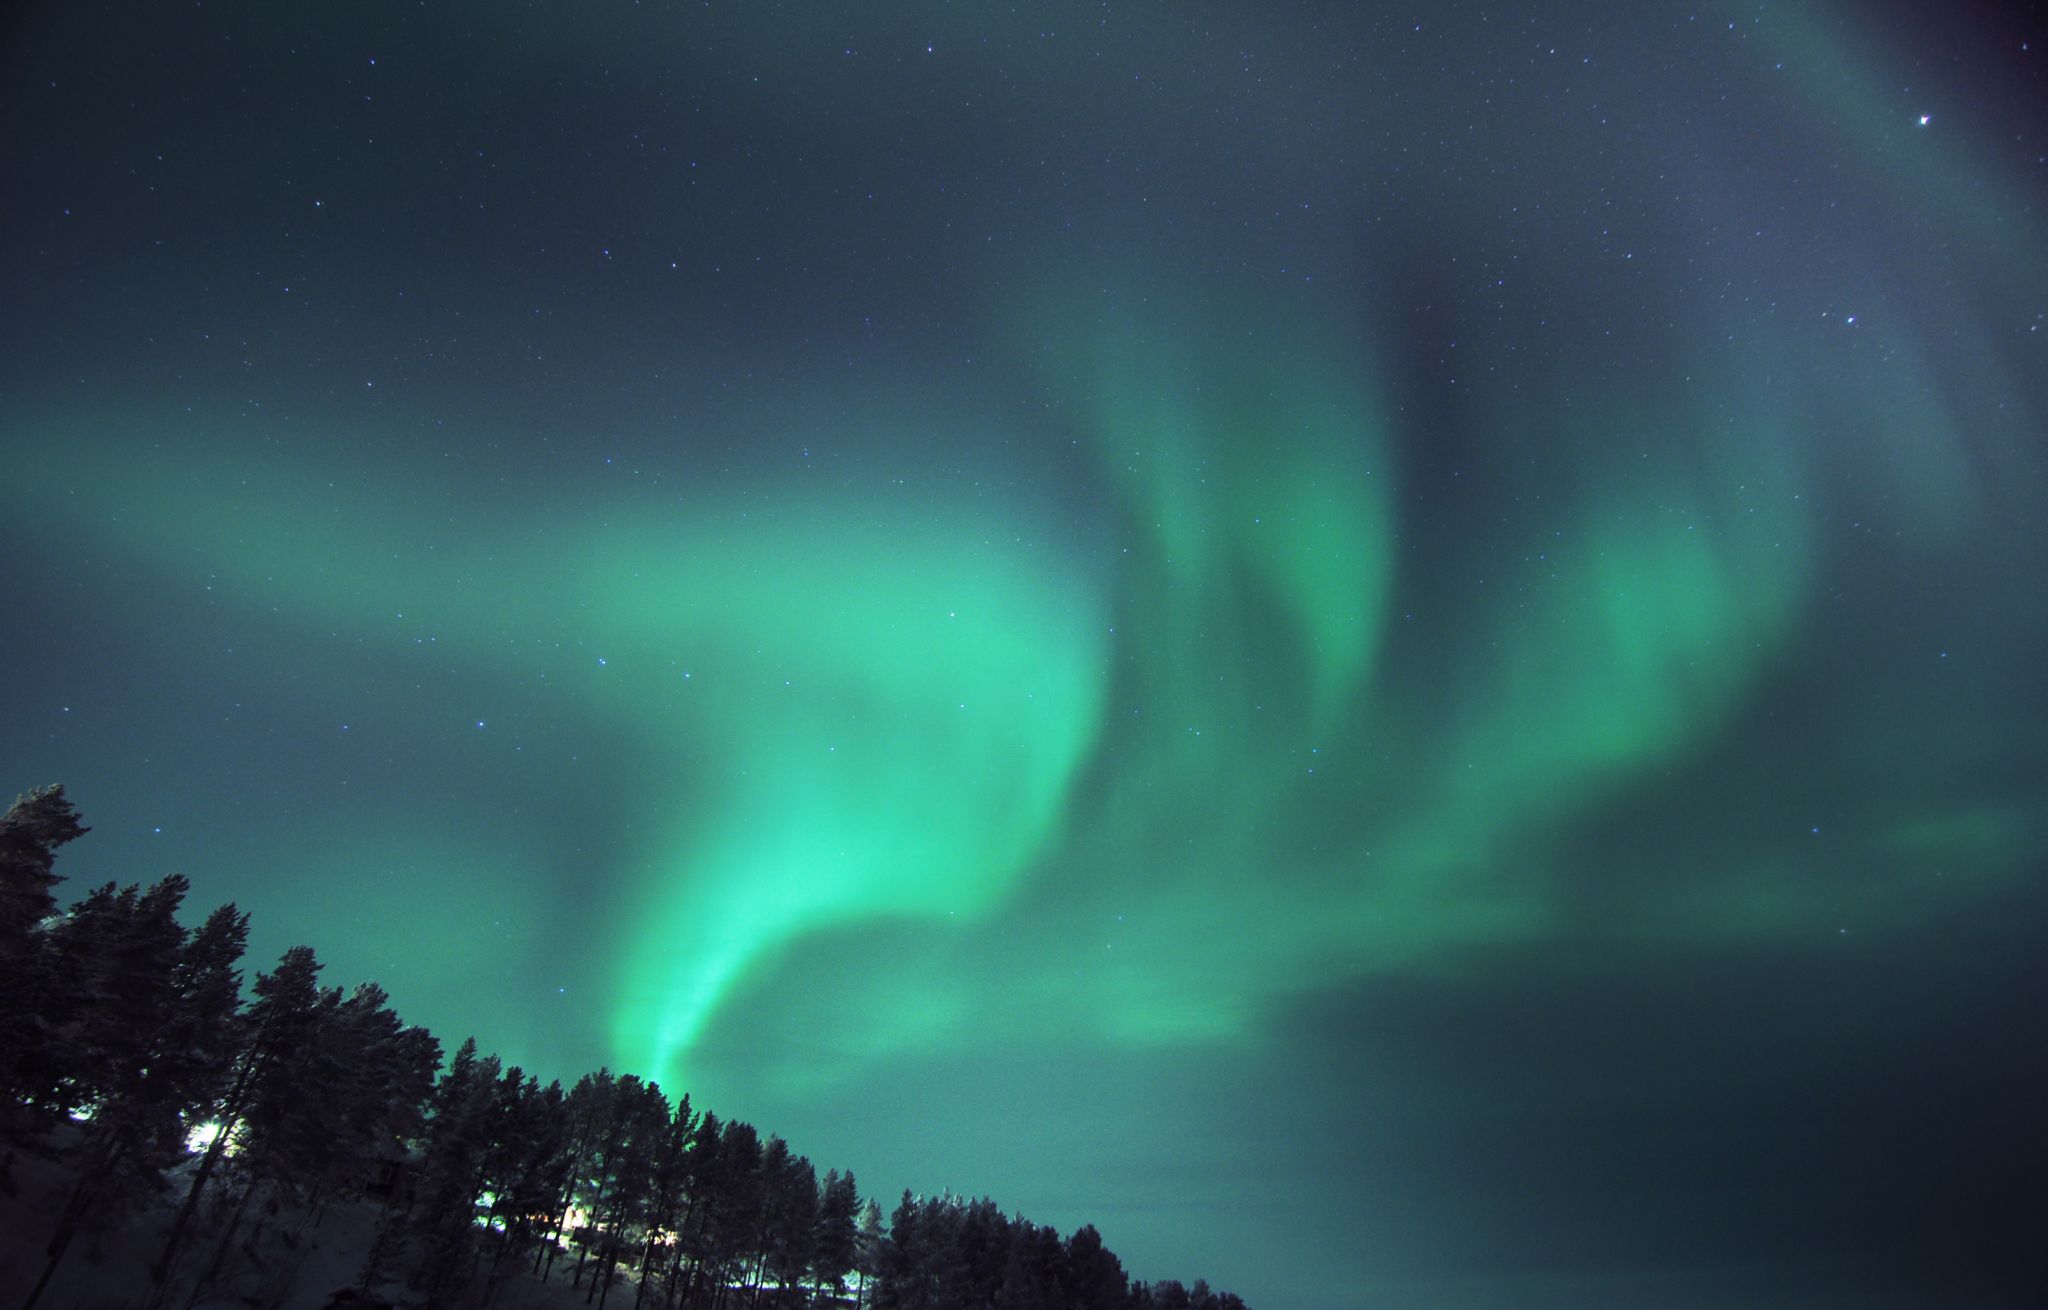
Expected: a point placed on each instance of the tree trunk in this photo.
(60, 1242)
(646, 1261)
(84, 1195)
(490, 1291)
(760, 1278)
(576, 1163)
(608, 1255)
(554, 1238)
(388, 1234)
(671, 1271)
(220, 1252)
(231, 1118)
(689, 1296)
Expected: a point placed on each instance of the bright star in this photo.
(1925, 119)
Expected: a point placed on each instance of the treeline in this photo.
(126, 1039)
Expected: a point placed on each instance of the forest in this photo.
(211, 1127)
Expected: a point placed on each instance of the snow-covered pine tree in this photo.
(32, 829)
(834, 1253)
(146, 1016)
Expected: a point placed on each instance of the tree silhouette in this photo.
(33, 828)
(122, 1022)
(140, 1015)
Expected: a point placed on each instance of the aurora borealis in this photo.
(1395, 654)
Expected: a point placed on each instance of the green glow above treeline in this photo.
(1254, 714)
(1215, 652)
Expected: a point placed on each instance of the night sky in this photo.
(1400, 653)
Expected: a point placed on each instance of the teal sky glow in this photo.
(1346, 645)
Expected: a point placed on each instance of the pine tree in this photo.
(365, 1075)
(350, 1080)
(30, 833)
(983, 1245)
(1034, 1269)
(452, 1173)
(789, 1194)
(943, 1274)
(525, 1164)
(613, 1131)
(589, 1110)
(281, 1020)
(33, 828)
(667, 1207)
(117, 950)
(868, 1244)
(901, 1281)
(705, 1198)
(1169, 1295)
(834, 1244)
(118, 1014)
(644, 1116)
(735, 1226)
(144, 1015)
(1095, 1277)
(208, 980)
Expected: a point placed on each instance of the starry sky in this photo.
(1396, 652)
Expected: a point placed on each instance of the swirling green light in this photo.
(880, 722)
